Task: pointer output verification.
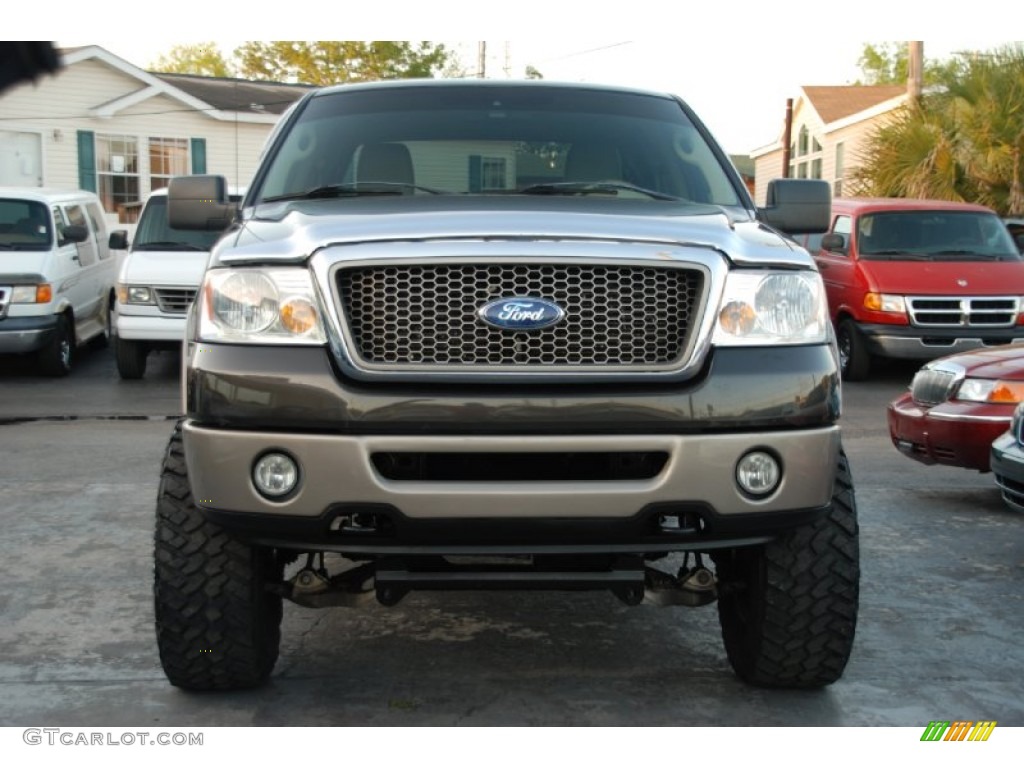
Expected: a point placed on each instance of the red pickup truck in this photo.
(918, 279)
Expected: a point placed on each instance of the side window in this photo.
(99, 228)
(842, 226)
(87, 250)
(60, 222)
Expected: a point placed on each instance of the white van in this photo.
(57, 274)
(158, 280)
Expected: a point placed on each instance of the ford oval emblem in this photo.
(521, 314)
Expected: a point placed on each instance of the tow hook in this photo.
(693, 586)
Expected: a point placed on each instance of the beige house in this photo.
(829, 126)
(102, 124)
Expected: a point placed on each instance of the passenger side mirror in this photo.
(834, 242)
(74, 233)
(199, 203)
(798, 205)
(118, 240)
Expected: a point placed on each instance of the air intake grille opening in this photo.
(524, 467)
(427, 315)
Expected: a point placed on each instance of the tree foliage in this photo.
(889, 64)
(326, 62)
(963, 141)
(194, 59)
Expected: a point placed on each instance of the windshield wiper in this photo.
(591, 188)
(888, 254)
(354, 189)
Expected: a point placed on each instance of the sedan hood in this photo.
(1006, 362)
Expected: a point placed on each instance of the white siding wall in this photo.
(58, 106)
(766, 168)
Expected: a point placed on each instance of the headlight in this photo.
(990, 391)
(1018, 416)
(885, 302)
(760, 308)
(134, 294)
(260, 306)
(32, 294)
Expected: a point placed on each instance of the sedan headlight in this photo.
(260, 306)
(762, 308)
(990, 391)
(1018, 416)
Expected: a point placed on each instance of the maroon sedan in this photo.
(957, 406)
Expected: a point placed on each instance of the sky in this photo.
(734, 63)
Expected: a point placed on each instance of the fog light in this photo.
(275, 475)
(758, 473)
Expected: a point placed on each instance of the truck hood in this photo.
(168, 268)
(293, 231)
(945, 278)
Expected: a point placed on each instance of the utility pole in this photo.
(481, 66)
(915, 70)
(787, 138)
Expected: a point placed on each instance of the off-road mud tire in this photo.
(788, 609)
(217, 626)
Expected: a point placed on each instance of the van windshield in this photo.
(24, 226)
(155, 234)
(934, 236)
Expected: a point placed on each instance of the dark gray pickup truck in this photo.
(497, 335)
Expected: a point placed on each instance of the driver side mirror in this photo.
(834, 242)
(74, 233)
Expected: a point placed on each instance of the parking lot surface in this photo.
(938, 636)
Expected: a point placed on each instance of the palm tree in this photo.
(963, 140)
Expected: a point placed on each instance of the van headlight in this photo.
(762, 308)
(260, 306)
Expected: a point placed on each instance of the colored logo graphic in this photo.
(521, 314)
(958, 730)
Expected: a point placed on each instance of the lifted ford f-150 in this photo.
(496, 335)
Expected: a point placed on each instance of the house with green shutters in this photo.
(103, 124)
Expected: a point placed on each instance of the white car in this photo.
(157, 283)
(57, 274)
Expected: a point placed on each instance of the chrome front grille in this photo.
(933, 385)
(175, 301)
(425, 315)
(963, 312)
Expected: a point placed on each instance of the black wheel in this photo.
(854, 358)
(131, 358)
(788, 609)
(56, 357)
(217, 626)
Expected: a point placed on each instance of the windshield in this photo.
(495, 140)
(155, 234)
(24, 226)
(935, 236)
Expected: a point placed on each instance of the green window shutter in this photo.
(87, 160)
(198, 155)
(474, 173)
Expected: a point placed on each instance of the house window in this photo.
(492, 173)
(117, 170)
(816, 168)
(803, 141)
(167, 158)
(801, 171)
